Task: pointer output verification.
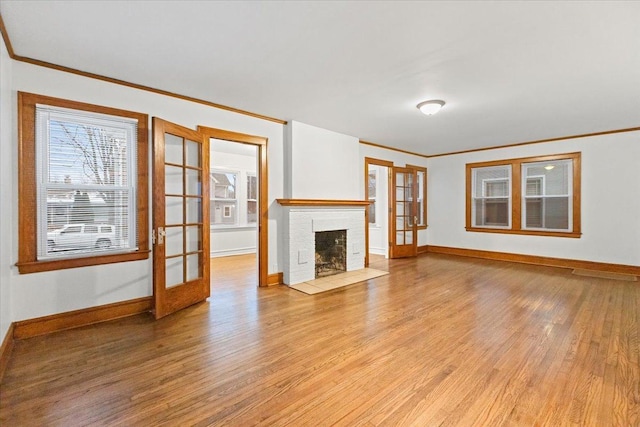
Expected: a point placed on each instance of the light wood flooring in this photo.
(439, 341)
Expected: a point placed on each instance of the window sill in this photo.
(61, 264)
(572, 235)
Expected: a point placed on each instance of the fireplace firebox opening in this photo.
(331, 252)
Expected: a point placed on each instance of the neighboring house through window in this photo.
(224, 202)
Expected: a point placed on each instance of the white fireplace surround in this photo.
(302, 221)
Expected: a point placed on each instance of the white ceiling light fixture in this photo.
(549, 167)
(430, 107)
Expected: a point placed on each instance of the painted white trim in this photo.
(230, 252)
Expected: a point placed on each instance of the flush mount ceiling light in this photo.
(430, 107)
(549, 167)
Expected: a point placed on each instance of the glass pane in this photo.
(172, 180)
(252, 211)
(408, 237)
(193, 266)
(491, 212)
(252, 187)
(193, 182)
(87, 153)
(172, 149)
(173, 241)
(556, 213)
(173, 210)
(494, 180)
(400, 194)
(399, 208)
(533, 213)
(174, 269)
(400, 238)
(552, 178)
(194, 242)
(194, 214)
(193, 153)
(400, 223)
(399, 179)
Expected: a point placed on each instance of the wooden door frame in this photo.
(378, 162)
(263, 219)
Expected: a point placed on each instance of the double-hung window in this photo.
(224, 200)
(491, 205)
(82, 191)
(372, 190)
(534, 195)
(547, 188)
(252, 199)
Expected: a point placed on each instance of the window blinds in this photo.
(86, 174)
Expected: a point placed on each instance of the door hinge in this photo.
(153, 236)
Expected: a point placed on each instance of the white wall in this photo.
(323, 164)
(610, 202)
(399, 159)
(40, 294)
(243, 238)
(7, 172)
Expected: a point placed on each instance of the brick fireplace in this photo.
(304, 218)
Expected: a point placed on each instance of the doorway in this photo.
(234, 190)
(255, 208)
(181, 215)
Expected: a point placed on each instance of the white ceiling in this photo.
(509, 71)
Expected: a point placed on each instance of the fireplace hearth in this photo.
(331, 252)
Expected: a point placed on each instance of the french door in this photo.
(404, 213)
(180, 217)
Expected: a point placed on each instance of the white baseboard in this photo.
(377, 251)
(231, 252)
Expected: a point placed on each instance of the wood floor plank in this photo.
(441, 340)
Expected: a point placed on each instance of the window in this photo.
(372, 189)
(491, 197)
(252, 199)
(535, 195)
(224, 202)
(547, 195)
(78, 177)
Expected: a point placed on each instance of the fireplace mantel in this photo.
(322, 202)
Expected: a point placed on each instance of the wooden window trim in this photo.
(424, 198)
(516, 195)
(27, 200)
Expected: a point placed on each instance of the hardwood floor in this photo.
(440, 341)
